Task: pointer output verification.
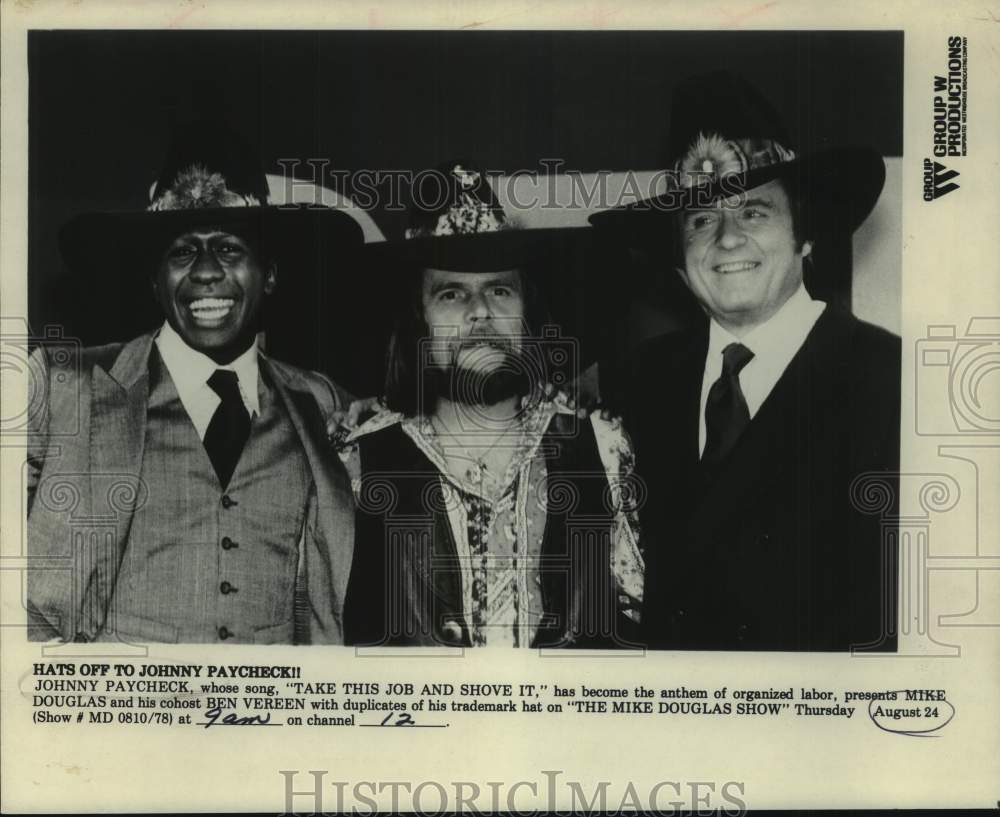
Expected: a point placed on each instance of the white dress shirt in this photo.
(190, 370)
(773, 343)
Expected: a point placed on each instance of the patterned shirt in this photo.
(498, 522)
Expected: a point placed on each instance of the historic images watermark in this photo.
(312, 792)
(555, 188)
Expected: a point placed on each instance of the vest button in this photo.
(228, 501)
(224, 633)
(226, 588)
(228, 544)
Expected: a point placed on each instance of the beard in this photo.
(475, 386)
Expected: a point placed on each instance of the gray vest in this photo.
(203, 564)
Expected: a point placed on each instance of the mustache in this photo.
(482, 340)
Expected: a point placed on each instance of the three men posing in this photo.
(751, 431)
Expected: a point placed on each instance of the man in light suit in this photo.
(180, 487)
(759, 430)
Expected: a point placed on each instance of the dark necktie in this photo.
(230, 426)
(726, 412)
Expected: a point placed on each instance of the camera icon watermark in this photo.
(77, 521)
(958, 378)
(50, 362)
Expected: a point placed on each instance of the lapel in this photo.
(334, 499)
(770, 447)
(309, 422)
(665, 413)
(437, 572)
(118, 411)
(689, 364)
(117, 432)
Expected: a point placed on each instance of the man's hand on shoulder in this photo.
(341, 424)
(584, 405)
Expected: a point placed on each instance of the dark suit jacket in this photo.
(773, 553)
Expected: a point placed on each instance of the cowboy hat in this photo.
(210, 178)
(726, 139)
(457, 223)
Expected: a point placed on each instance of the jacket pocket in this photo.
(136, 630)
(275, 634)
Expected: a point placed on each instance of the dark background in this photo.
(102, 105)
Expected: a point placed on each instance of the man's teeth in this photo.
(211, 307)
(736, 266)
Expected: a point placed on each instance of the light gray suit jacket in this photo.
(85, 451)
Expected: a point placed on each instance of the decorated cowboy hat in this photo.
(725, 139)
(210, 178)
(457, 222)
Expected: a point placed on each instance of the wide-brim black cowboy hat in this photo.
(836, 187)
(210, 180)
(467, 230)
(563, 265)
(457, 222)
(481, 252)
(113, 241)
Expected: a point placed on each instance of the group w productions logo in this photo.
(938, 180)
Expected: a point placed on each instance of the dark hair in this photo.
(402, 387)
(800, 227)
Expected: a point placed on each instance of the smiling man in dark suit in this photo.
(755, 428)
(197, 501)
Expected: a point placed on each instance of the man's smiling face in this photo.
(742, 261)
(210, 285)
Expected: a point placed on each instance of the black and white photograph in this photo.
(642, 348)
(605, 351)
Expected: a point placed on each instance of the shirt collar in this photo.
(190, 369)
(535, 420)
(784, 330)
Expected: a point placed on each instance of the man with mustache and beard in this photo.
(487, 515)
(217, 513)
